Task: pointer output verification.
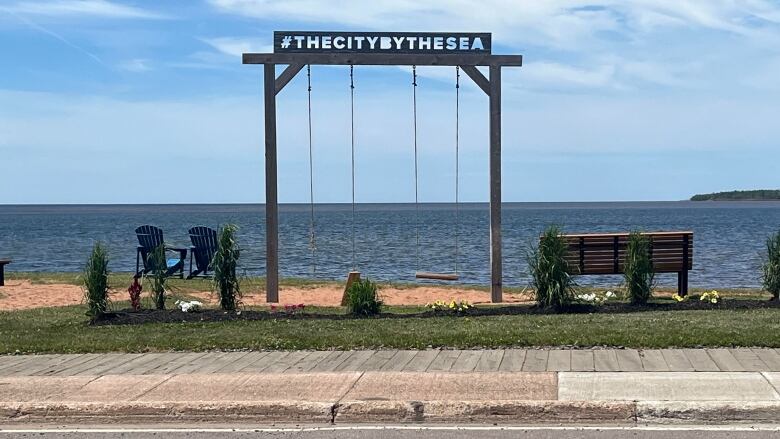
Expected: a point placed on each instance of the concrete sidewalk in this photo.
(195, 387)
(367, 397)
(432, 360)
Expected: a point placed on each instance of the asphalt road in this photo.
(403, 432)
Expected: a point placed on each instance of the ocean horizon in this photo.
(729, 236)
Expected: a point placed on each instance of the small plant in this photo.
(552, 280)
(771, 268)
(453, 306)
(363, 298)
(638, 269)
(189, 305)
(712, 297)
(96, 281)
(678, 298)
(135, 294)
(159, 266)
(224, 264)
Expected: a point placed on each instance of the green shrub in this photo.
(363, 298)
(552, 279)
(159, 267)
(771, 268)
(224, 264)
(638, 269)
(96, 281)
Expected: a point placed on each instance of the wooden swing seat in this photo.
(436, 276)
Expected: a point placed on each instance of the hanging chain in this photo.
(457, 165)
(312, 239)
(352, 127)
(416, 184)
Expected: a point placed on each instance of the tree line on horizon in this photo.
(759, 194)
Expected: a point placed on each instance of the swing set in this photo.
(463, 51)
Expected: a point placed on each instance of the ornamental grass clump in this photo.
(224, 264)
(771, 268)
(550, 273)
(638, 269)
(159, 266)
(95, 279)
(363, 298)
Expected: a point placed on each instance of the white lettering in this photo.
(326, 41)
(399, 41)
(425, 43)
(312, 43)
(359, 41)
(372, 41)
(477, 45)
(338, 43)
(299, 41)
(464, 43)
(438, 43)
(411, 41)
(385, 43)
(452, 43)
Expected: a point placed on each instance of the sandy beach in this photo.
(24, 294)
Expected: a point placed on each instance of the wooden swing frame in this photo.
(295, 62)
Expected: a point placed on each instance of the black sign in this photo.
(381, 42)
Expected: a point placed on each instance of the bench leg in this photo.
(682, 283)
(2, 275)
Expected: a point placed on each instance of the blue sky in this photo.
(145, 102)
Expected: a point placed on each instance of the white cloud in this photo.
(76, 8)
(557, 23)
(560, 75)
(237, 46)
(137, 65)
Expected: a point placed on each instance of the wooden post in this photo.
(496, 274)
(353, 277)
(271, 199)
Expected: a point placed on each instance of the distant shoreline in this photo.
(752, 195)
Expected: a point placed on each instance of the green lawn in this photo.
(65, 330)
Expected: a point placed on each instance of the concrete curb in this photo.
(153, 412)
(668, 412)
(352, 412)
(486, 411)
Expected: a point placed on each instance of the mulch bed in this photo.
(130, 317)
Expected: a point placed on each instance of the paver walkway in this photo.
(501, 360)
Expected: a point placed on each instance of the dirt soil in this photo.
(23, 294)
(129, 317)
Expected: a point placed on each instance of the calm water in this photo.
(729, 237)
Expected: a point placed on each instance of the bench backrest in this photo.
(605, 253)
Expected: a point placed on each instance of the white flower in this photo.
(191, 306)
(609, 295)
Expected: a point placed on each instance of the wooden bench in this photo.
(3, 263)
(605, 253)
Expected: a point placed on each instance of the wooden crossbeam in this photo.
(381, 59)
